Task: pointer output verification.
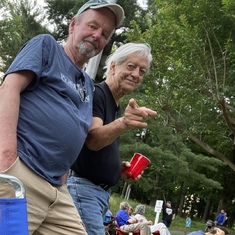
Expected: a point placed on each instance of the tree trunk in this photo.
(156, 194)
(206, 210)
(182, 199)
(124, 189)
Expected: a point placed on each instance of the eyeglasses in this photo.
(82, 91)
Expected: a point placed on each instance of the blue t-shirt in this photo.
(188, 223)
(122, 217)
(55, 110)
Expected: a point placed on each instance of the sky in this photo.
(41, 2)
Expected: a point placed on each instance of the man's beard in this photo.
(88, 51)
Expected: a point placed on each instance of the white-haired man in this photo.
(98, 166)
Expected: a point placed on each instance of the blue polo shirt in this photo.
(55, 110)
(122, 217)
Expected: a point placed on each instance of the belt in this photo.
(103, 186)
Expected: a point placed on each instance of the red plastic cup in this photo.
(138, 163)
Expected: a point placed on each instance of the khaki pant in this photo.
(51, 210)
(143, 227)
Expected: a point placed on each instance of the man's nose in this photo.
(136, 72)
(97, 34)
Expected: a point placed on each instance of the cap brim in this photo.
(116, 9)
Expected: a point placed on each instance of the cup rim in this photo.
(143, 156)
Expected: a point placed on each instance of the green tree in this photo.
(191, 81)
(20, 21)
(175, 171)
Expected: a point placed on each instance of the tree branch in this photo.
(212, 151)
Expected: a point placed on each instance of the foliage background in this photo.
(191, 85)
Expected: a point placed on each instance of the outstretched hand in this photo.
(134, 115)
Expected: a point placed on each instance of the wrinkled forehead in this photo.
(136, 58)
(104, 17)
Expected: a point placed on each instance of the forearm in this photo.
(10, 90)
(9, 111)
(103, 136)
(133, 220)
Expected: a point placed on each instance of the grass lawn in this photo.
(178, 224)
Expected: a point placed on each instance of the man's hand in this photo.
(126, 176)
(134, 115)
(133, 220)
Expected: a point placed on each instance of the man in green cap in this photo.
(46, 112)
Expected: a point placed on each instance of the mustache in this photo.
(92, 41)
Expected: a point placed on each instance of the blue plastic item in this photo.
(13, 211)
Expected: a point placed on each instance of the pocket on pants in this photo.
(5, 171)
(7, 190)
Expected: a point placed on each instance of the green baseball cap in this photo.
(96, 4)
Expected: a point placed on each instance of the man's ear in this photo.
(72, 25)
(112, 67)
